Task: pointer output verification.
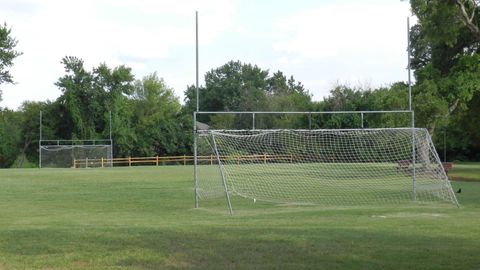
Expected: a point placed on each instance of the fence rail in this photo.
(176, 160)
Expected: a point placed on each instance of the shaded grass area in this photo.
(143, 218)
(465, 171)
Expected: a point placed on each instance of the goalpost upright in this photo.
(410, 108)
(195, 160)
(40, 144)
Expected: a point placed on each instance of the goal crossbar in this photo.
(76, 142)
(300, 112)
(309, 114)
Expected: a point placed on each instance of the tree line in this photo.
(148, 119)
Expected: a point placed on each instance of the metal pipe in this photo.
(361, 116)
(40, 144)
(111, 140)
(100, 140)
(196, 59)
(309, 121)
(303, 130)
(414, 177)
(222, 174)
(195, 160)
(110, 123)
(311, 112)
(253, 121)
(408, 66)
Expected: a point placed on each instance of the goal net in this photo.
(64, 155)
(325, 166)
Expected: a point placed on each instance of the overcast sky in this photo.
(319, 42)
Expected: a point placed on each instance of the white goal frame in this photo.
(61, 144)
(309, 113)
(253, 114)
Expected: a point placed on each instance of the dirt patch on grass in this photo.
(416, 215)
(463, 179)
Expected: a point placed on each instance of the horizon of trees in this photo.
(148, 119)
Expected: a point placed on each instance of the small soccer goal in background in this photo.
(65, 153)
(75, 153)
(331, 167)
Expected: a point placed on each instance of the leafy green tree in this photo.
(285, 95)
(117, 86)
(88, 96)
(394, 97)
(7, 54)
(10, 137)
(77, 95)
(341, 98)
(232, 87)
(30, 124)
(244, 87)
(156, 114)
(462, 133)
(445, 45)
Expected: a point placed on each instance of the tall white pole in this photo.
(408, 66)
(196, 58)
(414, 178)
(110, 124)
(40, 143)
(195, 158)
(111, 141)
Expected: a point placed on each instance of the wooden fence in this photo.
(176, 160)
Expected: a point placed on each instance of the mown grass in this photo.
(465, 171)
(143, 218)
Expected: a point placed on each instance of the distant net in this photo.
(326, 167)
(63, 156)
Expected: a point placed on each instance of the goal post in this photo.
(62, 153)
(319, 166)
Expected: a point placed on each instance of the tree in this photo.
(245, 87)
(286, 95)
(232, 87)
(156, 114)
(7, 54)
(88, 96)
(468, 9)
(10, 137)
(445, 45)
(30, 127)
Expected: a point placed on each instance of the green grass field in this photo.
(329, 184)
(465, 171)
(143, 218)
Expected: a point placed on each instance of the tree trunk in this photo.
(468, 19)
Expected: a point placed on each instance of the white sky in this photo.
(360, 42)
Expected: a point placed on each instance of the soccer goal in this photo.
(63, 153)
(331, 167)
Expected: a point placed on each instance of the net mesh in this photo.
(63, 156)
(328, 167)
